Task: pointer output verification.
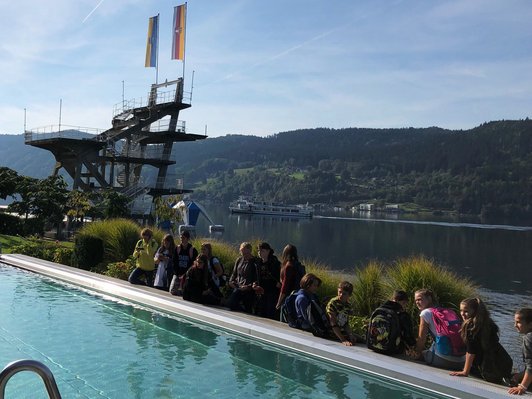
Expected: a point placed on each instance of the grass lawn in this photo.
(10, 241)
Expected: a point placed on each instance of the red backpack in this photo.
(448, 340)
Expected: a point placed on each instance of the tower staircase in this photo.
(143, 133)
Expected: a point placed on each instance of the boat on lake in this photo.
(251, 206)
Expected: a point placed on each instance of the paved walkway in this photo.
(270, 331)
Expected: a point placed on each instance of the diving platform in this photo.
(142, 135)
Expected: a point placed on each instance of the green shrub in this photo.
(359, 325)
(119, 237)
(368, 289)
(32, 248)
(63, 255)
(46, 250)
(88, 251)
(32, 226)
(10, 224)
(121, 270)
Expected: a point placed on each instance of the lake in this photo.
(496, 257)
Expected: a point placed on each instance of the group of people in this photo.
(178, 268)
(467, 344)
(281, 289)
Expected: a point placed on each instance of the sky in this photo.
(263, 67)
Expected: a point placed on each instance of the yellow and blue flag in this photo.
(152, 43)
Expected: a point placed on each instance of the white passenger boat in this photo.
(251, 206)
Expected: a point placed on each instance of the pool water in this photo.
(100, 347)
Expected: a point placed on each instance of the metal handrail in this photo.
(29, 365)
(139, 102)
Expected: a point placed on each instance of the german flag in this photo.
(178, 33)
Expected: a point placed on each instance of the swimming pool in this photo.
(101, 347)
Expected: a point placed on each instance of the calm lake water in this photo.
(496, 257)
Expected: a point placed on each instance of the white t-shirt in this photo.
(426, 314)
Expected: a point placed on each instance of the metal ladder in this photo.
(29, 365)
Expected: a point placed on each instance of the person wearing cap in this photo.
(268, 282)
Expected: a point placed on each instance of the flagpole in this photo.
(185, 41)
(157, 53)
(60, 109)
(192, 86)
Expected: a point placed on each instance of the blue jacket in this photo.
(303, 300)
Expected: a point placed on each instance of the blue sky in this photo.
(263, 67)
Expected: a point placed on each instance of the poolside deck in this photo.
(273, 332)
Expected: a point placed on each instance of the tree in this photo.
(164, 210)
(8, 182)
(51, 200)
(24, 203)
(114, 204)
(44, 199)
(78, 205)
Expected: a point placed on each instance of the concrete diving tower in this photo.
(142, 135)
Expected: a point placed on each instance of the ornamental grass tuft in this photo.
(368, 288)
(417, 272)
(119, 237)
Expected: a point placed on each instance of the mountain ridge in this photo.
(462, 170)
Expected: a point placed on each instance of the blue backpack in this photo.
(316, 316)
(288, 310)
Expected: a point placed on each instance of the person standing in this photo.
(268, 282)
(164, 261)
(215, 269)
(184, 257)
(242, 281)
(291, 273)
(144, 253)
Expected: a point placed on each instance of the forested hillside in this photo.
(486, 170)
(26, 160)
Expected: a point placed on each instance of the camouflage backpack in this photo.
(384, 331)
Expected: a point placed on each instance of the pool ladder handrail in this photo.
(29, 365)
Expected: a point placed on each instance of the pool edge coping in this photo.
(358, 357)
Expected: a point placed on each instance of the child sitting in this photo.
(523, 324)
(485, 356)
(431, 319)
(391, 342)
(338, 310)
(309, 286)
